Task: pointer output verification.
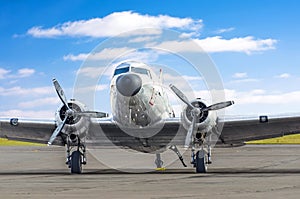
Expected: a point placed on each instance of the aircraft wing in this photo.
(235, 132)
(242, 130)
(29, 130)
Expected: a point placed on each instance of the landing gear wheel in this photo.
(200, 162)
(76, 166)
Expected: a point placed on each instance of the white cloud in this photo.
(3, 73)
(120, 55)
(114, 24)
(44, 114)
(224, 30)
(41, 102)
(218, 44)
(172, 78)
(192, 78)
(142, 39)
(107, 53)
(99, 87)
(139, 56)
(283, 76)
(17, 91)
(95, 72)
(247, 45)
(243, 78)
(79, 57)
(239, 44)
(188, 35)
(116, 54)
(256, 97)
(178, 46)
(210, 45)
(23, 72)
(240, 75)
(257, 92)
(37, 31)
(246, 80)
(184, 83)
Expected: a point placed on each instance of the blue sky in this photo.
(254, 44)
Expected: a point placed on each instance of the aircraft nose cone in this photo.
(129, 84)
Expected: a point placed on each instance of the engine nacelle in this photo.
(77, 125)
(206, 119)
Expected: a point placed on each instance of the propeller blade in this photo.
(181, 95)
(189, 134)
(93, 114)
(61, 94)
(57, 131)
(218, 106)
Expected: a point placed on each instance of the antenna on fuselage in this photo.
(161, 76)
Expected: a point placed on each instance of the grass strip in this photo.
(6, 142)
(288, 139)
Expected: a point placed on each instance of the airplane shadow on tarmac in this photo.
(219, 171)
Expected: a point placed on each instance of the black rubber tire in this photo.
(76, 166)
(200, 162)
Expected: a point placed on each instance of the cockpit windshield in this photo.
(121, 70)
(125, 67)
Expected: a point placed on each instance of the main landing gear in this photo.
(77, 158)
(199, 158)
(202, 157)
(159, 163)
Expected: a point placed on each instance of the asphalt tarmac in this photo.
(254, 171)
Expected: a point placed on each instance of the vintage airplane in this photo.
(143, 120)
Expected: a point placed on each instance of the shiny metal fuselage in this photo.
(146, 108)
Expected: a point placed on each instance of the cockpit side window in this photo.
(142, 71)
(139, 70)
(121, 70)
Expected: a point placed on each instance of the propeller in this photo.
(70, 112)
(181, 96)
(218, 106)
(61, 94)
(190, 132)
(196, 112)
(57, 131)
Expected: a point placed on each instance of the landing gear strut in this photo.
(77, 158)
(174, 148)
(202, 157)
(159, 163)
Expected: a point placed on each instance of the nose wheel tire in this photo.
(76, 166)
(200, 162)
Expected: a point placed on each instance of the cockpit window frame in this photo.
(124, 68)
